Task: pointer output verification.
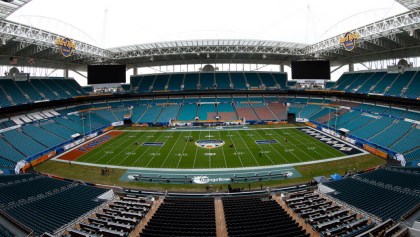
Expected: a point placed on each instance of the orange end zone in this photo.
(85, 148)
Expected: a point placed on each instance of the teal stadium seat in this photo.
(191, 81)
(223, 81)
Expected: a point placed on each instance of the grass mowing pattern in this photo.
(177, 153)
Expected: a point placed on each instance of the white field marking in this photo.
(317, 144)
(223, 150)
(208, 129)
(259, 146)
(363, 152)
(320, 146)
(128, 147)
(170, 152)
(157, 152)
(209, 151)
(135, 150)
(343, 141)
(183, 151)
(76, 147)
(196, 150)
(307, 138)
(247, 147)
(116, 142)
(279, 153)
(259, 135)
(147, 149)
(286, 151)
(214, 169)
(236, 151)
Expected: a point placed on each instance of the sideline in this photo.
(363, 152)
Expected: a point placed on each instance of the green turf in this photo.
(177, 153)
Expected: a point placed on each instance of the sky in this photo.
(108, 24)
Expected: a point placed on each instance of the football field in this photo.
(210, 149)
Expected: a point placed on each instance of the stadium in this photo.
(176, 134)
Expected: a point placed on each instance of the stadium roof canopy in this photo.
(410, 4)
(393, 37)
(8, 7)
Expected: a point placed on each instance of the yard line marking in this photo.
(123, 150)
(170, 152)
(268, 156)
(138, 147)
(248, 148)
(302, 150)
(153, 157)
(317, 143)
(102, 157)
(236, 151)
(223, 149)
(196, 150)
(286, 147)
(183, 151)
(147, 148)
(303, 137)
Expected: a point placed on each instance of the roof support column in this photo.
(135, 71)
(351, 67)
(66, 73)
(281, 68)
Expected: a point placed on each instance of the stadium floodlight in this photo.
(3, 41)
(208, 56)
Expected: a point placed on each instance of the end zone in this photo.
(89, 146)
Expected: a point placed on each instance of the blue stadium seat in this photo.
(191, 81)
(29, 90)
(23, 143)
(253, 80)
(401, 82)
(58, 130)
(238, 81)
(175, 82)
(281, 79)
(187, 112)
(392, 133)
(146, 83)
(44, 137)
(268, 80)
(375, 127)
(10, 87)
(161, 82)
(168, 112)
(223, 80)
(207, 81)
(412, 90)
(357, 82)
(151, 114)
(57, 87)
(375, 198)
(204, 111)
(366, 87)
(384, 83)
(408, 142)
(44, 89)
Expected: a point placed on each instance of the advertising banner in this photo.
(375, 151)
